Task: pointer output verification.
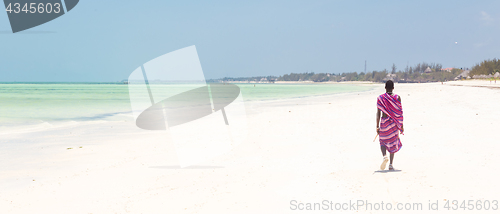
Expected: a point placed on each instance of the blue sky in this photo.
(106, 40)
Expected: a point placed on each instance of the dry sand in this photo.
(307, 149)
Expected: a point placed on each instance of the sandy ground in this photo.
(307, 150)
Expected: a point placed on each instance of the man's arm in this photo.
(378, 119)
(402, 129)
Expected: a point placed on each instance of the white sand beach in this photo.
(306, 149)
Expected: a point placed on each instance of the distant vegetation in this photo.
(416, 73)
(245, 79)
(486, 67)
(422, 72)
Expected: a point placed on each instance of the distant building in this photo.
(428, 70)
(390, 77)
(463, 75)
(482, 76)
(447, 69)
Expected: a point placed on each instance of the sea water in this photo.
(41, 103)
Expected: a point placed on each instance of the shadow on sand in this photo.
(189, 167)
(386, 171)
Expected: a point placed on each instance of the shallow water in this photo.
(25, 104)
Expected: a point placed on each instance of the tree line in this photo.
(409, 74)
(486, 67)
(416, 73)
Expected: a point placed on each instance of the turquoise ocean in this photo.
(34, 103)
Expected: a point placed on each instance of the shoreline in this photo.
(351, 82)
(236, 82)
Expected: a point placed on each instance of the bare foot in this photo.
(384, 163)
(391, 167)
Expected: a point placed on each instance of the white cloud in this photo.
(487, 19)
(478, 45)
(485, 16)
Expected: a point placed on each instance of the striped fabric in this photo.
(390, 125)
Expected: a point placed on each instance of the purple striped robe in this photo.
(390, 125)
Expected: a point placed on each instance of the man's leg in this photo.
(382, 148)
(384, 161)
(390, 165)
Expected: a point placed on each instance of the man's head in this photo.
(389, 85)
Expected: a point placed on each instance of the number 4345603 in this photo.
(33, 8)
(471, 205)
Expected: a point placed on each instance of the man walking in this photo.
(391, 123)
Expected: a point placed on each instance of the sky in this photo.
(104, 41)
